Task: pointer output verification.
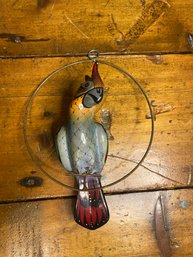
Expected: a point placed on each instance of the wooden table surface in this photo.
(151, 212)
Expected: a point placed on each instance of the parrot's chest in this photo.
(82, 143)
(83, 146)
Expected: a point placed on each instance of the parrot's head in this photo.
(91, 90)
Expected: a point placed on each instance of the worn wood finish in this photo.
(47, 228)
(55, 27)
(168, 81)
(36, 213)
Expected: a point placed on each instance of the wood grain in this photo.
(169, 82)
(36, 213)
(55, 27)
(46, 228)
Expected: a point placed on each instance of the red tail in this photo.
(91, 210)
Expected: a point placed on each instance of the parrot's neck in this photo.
(80, 113)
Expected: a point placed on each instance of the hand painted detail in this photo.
(82, 146)
(91, 210)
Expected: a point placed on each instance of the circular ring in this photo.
(29, 104)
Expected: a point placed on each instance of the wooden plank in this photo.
(55, 27)
(47, 228)
(157, 73)
(168, 83)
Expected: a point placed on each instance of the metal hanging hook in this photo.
(93, 55)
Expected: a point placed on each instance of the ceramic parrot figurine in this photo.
(82, 146)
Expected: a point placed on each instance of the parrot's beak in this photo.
(93, 97)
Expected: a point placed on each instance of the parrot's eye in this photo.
(87, 84)
(85, 87)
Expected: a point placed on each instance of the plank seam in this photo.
(101, 54)
(107, 194)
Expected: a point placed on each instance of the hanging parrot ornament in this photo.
(82, 146)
